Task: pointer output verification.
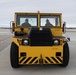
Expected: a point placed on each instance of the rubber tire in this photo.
(14, 55)
(65, 55)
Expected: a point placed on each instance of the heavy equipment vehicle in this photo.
(38, 39)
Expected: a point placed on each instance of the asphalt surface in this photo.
(6, 69)
(5, 38)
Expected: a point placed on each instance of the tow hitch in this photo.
(41, 60)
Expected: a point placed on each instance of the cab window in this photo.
(26, 20)
(50, 21)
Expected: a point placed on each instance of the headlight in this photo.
(56, 42)
(25, 42)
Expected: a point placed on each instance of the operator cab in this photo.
(38, 20)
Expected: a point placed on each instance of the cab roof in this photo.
(38, 13)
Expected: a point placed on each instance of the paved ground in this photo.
(4, 38)
(6, 69)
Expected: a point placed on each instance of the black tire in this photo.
(14, 55)
(65, 55)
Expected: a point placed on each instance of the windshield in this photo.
(50, 20)
(26, 20)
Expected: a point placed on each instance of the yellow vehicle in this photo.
(38, 40)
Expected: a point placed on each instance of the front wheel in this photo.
(14, 55)
(65, 55)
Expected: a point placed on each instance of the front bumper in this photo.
(40, 55)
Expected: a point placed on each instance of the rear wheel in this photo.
(65, 55)
(14, 55)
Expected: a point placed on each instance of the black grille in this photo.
(41, 37)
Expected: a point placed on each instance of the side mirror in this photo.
(12, 26)
(68, 39)
(64, 27)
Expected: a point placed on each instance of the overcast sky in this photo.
(66, 7)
